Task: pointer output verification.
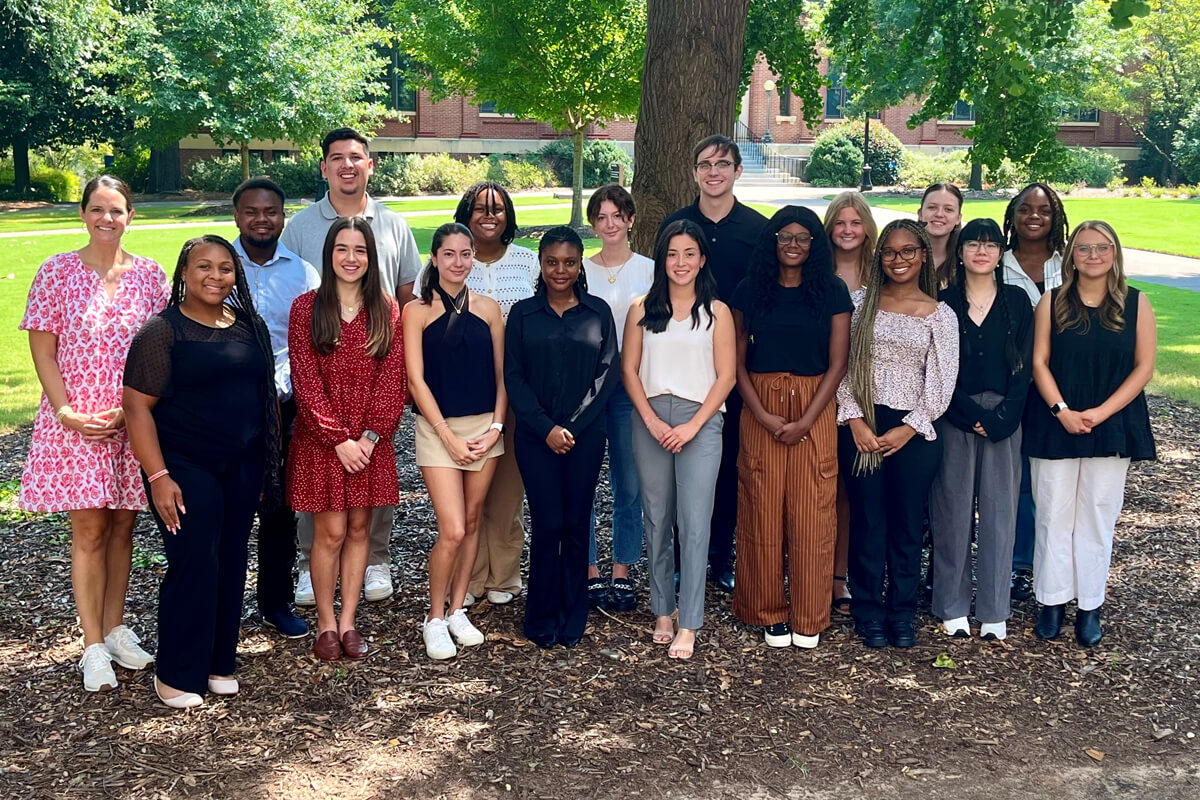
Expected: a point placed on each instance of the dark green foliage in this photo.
(1089, 167)
(835, 160)
(598, 158)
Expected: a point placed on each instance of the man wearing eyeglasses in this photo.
(732, 230)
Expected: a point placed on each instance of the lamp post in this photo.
(769, 85)
(865, 184)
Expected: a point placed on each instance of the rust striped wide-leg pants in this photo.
(787, 498)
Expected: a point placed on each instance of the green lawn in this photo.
(1177, 366)
(1157, 224)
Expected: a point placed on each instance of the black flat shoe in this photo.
(597, 589)
(1021, 584)
(901, 634)
(723, 582)
(622, 597)
(1087, 627)
(1050, 620)
(872, 633)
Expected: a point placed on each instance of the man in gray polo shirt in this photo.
(347, 165)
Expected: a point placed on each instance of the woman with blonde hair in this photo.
(852, 231)
(1093, 354)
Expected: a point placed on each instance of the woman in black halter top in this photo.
(454, 352)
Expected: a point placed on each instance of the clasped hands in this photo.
(886, 444)
(785, 432)
(100, 427)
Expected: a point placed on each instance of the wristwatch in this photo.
(497, 426)
(371, 436)
(1058, 407)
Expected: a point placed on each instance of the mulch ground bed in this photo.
(614, 717)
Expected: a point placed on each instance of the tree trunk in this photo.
(577, 180)
(20, 151)
(245, 150)
(976, 179)
(690, 84)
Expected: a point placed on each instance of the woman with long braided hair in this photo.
(903, 365)
(981, 438)
(203, 420)
(1035, 230)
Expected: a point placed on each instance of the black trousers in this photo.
(200, 601)
(560, 491)
(887, 508)
(277, 534)
(725, 501)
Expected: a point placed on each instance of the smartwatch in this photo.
(371, 436)
(1058, 407)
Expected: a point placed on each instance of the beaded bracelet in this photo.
(157, 475)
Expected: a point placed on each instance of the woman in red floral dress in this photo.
(347, 358)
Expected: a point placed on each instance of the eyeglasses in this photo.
(904, 253)
(987, 247)
(705, 167)
(802, 239)
(1087, 250)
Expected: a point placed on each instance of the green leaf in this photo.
(944, 661)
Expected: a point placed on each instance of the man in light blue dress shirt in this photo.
(276, 277)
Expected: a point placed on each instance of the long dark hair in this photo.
(327, 313)
(657, 311)
(983, 230)
(1056, 238)
(817, 269)
(466, 205)
(430, 277)
(562, 234)
(242, 303)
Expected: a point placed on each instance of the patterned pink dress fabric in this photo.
(66, 472)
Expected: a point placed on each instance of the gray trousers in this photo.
(973, 467)
(380, 537)
(677, 490)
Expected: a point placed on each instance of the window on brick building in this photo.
(1081, 115)
(837, 99)
(785, 102)
(401, 96)
(962, 112)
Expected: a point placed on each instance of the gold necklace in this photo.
(981, 306)
(612, 278)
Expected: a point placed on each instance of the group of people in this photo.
(831, 394)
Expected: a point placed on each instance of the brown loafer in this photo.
(327, 647)
(353, 644)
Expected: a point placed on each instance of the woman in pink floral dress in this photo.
(84, 308)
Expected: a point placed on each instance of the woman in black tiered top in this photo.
(454, 354)
(1093, 354)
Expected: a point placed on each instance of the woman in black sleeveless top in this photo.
(1093, 354)
(454, 354)
(200, 406)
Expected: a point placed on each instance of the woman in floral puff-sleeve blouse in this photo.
(903, 367)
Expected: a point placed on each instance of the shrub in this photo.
(920, 170)
(297, 177)
(885, 154)
(441, 173)
(1187, 147)
(36, 191)
(133, 168)
(518, 174)
(1009, 175)
(835, 160)
(46, 183)
(396, 176)
(598, 158)
(1089, 167)
(220, 175)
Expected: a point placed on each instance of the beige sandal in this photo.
(680, 651)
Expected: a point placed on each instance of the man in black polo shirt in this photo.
(732, 231)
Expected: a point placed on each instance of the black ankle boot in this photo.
(1050, 620)
(1087, 627)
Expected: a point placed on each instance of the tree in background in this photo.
(48, 94)
(250, 69)
(569, 64)
(787, 32)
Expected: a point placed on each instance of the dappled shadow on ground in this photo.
(615, 717)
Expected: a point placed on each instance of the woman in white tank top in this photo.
(678, 364)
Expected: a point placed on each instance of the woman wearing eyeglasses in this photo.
(792, 317)
(903, 366)
(1093, 354)
(981, 438)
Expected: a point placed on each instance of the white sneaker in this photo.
(97, 669)
(958, 627)
(807, 642)
(462, 630)
(377, 583)
(469, 600)
(499, 598)
(122, 645)
(438, 644)
(993, 630)
(304, 591)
